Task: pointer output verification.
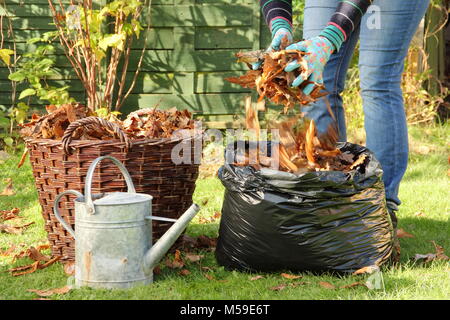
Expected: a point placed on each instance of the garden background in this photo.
(189, 52)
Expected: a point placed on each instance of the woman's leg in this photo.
(381, 62)
(316, 16)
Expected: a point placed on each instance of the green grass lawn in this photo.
(424, 213)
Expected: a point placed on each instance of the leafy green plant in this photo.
(95, 38)
(35, 68)
(8, 58)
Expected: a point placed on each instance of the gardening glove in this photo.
(275, 44)
(319, 50)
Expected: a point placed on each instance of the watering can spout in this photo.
(160, 248)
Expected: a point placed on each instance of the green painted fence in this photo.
(190, 51)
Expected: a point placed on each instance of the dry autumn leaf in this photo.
(184, 272)
(367, 270)
(206, 242)
(34, 254)
(326, 285)
(14, 229)
(209, 276)
(299, 283)
(439, 255)
(403, 234)
(9, 214)
(8, 251)
(50, 292)
(9, 190)
(207, 269)
(290, 276)
(177, 262)
(354, 284)
(279, 287)
(193, 257)
(272, 82)
(157, 270)
(256, 278)
(22, 270)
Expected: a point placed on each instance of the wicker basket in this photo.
(62, 165)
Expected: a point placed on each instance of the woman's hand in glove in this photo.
(319, 50)
(275, 44)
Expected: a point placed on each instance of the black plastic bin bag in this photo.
(316, 221)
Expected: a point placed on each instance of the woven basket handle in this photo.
(102, 123)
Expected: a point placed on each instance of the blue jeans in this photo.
(383, 49)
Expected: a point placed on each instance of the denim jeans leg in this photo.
(383, 49)
(316, 16)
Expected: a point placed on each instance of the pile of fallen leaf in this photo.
(9, 215)
(53, 124)
(146, 123)
(155, 123)
(272, 82)
(300, 149)
(41, 261)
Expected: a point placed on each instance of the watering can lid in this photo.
(117, 198)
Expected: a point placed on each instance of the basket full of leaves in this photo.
(63, 143)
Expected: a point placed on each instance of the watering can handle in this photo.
(56, 211)
(90, 173)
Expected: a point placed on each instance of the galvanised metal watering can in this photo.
(113, 234)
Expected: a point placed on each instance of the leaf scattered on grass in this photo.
(209, 276)
(290, 276)
(157, 270)
(9, 214)
(14, 229)
(33, 253)
(207, 269)
(256, 278)
(8, 251)
(211, 219)
(326, 285)
(354, 284)
(279, 287)
(177, 262)
(50, 292)
(403, 234)
(200, 242)
(9, 190)
(184, 272)
(299, 283)
(439, 255)
(359, 161)
(286, 285)
(206, 242)
(193, 257)
(23, 158)
(367, 270)
(22, 270)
